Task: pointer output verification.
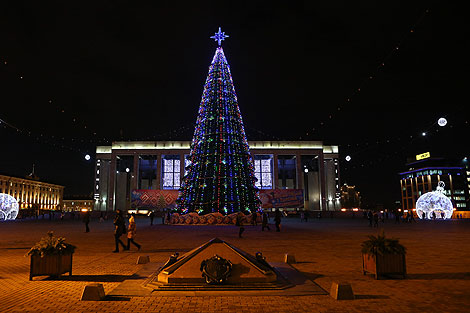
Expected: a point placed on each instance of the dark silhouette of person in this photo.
(119, 230)
(239, 223)
(254, 217)
(168, 217)
(152, 216)
(86, 220)
(306, 216)
(376, 219)
(369, 217)
(265, 221)
(277, 220)
(131, 233)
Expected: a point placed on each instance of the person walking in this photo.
(306, 215)
(119, 230)
(302, 216)
(168, 217)
(131, 233)
(369, 217)
(265, 221)
(152, 216)
(254, 218)
(277, 220)
(239, 223)
(86, 220)
(376, 219)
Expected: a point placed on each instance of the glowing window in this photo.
(264, 171)
(171, 172)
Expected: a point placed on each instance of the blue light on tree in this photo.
(434, 201)
(8, 207)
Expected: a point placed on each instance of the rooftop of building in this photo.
(174, 145)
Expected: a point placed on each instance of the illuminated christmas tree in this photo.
(220, 174)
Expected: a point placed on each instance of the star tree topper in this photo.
(219, 36)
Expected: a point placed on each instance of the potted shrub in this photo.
(51, 256)
(383, 256)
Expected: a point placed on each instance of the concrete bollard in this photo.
(143, 259)
(93, 292)
(289, 258)
(341, 291)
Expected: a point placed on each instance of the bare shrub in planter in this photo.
(51, 256)
(383, 256)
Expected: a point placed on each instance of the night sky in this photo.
(83, 74)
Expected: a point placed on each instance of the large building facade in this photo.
(424, 174)
(160, 165)
(32, 193)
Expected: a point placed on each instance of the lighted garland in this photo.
(8, 207)
(220, 172)
(434, 202)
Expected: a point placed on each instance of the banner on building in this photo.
(270, 198)
(153, 199)
(281, 198)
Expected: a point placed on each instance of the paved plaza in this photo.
(327, 250)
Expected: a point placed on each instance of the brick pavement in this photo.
(328, 249)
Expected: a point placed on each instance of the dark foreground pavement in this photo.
(438, 264)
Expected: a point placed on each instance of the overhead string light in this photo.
(370, 77)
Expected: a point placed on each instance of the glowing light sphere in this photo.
(127, 170)
(8, 207)
(87, 157)
(434, 201)
(348, 158)
(442, 122)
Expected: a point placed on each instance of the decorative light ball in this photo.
(423, 133)
(127, 170)
(87, 157)
(8, 207)
(348, 158)
(442, 122)
(434, 201)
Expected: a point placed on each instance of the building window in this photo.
(171, 171)
(264, 171)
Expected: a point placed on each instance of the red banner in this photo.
(281, 198)
(270, 198)
(153, 198)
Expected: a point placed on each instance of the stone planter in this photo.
(383, 265)
(50, 265)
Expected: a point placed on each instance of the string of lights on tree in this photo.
(220, 175)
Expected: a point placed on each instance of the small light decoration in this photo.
(442, 122)
(423, 134)
(87, 157)
(8, 207)
(219, 36)
(348, 158)
(434, 201)
(127, 170)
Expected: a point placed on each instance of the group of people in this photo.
(264, 221)
(120, 229)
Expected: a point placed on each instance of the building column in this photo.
(181, 167)
(321, 172)
(299, 175)
(112, 181)
(135, 176)
(276, 172)
(159, 171)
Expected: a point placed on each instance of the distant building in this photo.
(425, 172)
(31, 193)
(160, 165)
(350, 197)
(78, 205)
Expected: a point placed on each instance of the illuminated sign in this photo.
(424, 155)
